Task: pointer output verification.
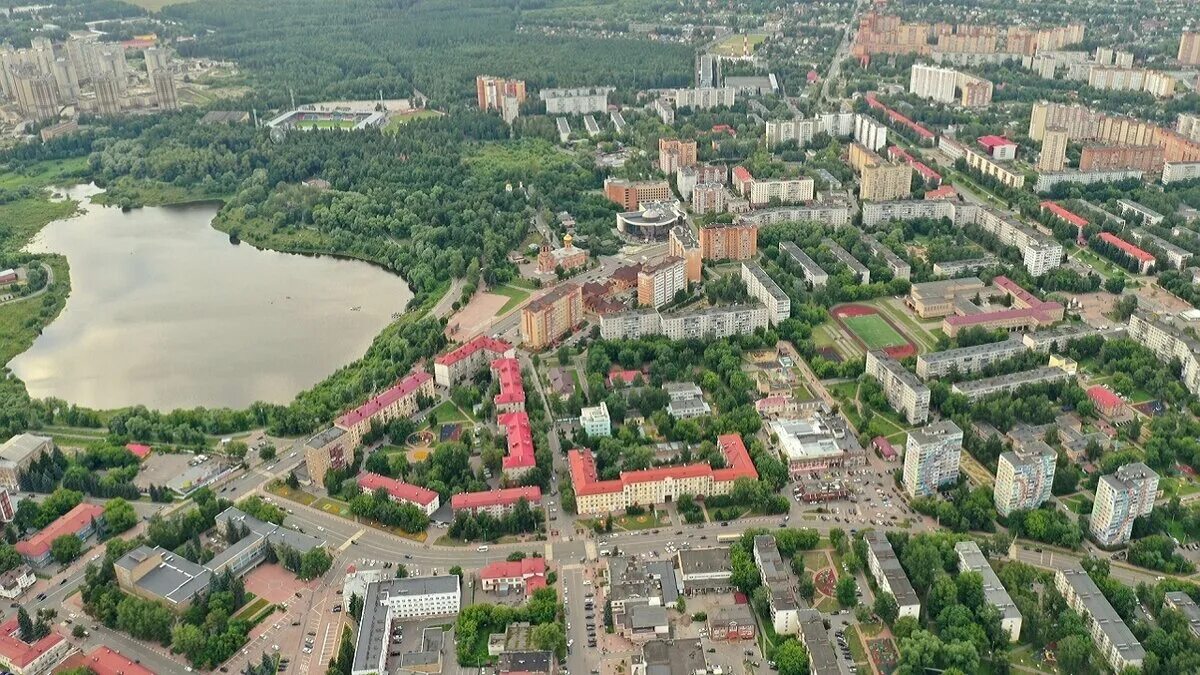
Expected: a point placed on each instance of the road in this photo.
(843, 50)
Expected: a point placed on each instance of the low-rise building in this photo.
(971, 559)
(16, 581)
(102, 660)
(816, 444)
(833, 215)
(30, 658)
(1115, 642)
(1184, 604)
(1024, 477)
(80, 521)
(986, 166)
(1025, 311)
(704, 570)
(18, 453)
(391, 600)
(977, 389)
(731, 622)
(822, 660)
(931, 456)
(889, 575)
(399, 491)
(843, 256)
(630, 195)
(932, 299)
(905, 393)
(518, 437)
(1177, 257)
(899, 268)
(642, 623)
(1144, 259)
(811, 271)
(595, 420)
(503, 576)
(1059, 337)
(507, 373)
(567, 257)
(965, 360)
(497, 503)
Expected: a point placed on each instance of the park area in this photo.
(734, 45)
(873, 330)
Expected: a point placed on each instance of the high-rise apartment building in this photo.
(932, 82)
(658, 282)
(36, 94)
(1168, 341)
(498, 93)
(164, 89)
(931, 457)
(729, 241)
(108, 95)
(708, 198)
(157, 58)
(1122, 497)
(551, 316)
(783, 190)
(1079, 121)
(1189, 48)
(674, 154)
(682, 243)
(705, 98)
(879, 180)
(1024, 478)
(1145, 158)
(1054, 150)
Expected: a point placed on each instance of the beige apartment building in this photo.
(658, 282)
(549, 317)
(879, 180)
(1054, 150)
(732, 241)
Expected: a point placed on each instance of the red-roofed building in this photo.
(104, 661)
(23, 658)
(140, 451)
(512, 390)
(656, 485)
(943, 192)
(1144, 258)
(742, 180)
(1063, 214)
(1107, 402)
(922, 133)
(519, 435)
(724, 129)
(78, 521)
(405, 493)
(399, 401)
(1027, 312)
(930, 176)
(495, 502)
(464, 361)
(812, 77)
(625, 377)
(999, 147)
(528, 574)
(884, 448)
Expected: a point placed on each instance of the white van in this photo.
(482, 549)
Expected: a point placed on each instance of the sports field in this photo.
(325, 124)
(733, 45)
(874, 331)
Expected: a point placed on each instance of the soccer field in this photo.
(874, 331)
(325, 124)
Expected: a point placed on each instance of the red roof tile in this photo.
(1127, 247)
(532, 571)
(626, 376)
(104, 661)
(741, 174)
(372, 407)
(139, 450)
(399, 490)
(943, 192)
(497, 347)
(520, 440)
(19, 653)
(508, 372)
(884, 447)
(504, 497)
(71, 522)
(1077, 221)
(1103, 397)
(737, 464)
(991, 142)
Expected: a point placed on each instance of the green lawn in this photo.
(251, 608)
(874, 331)
(397, 121)
(515, 297)
(21, 322)
(521, 282)
(856, 648)
(448, 412)
(49, 172)
(732, 45)
(645, 521)
(326, 124)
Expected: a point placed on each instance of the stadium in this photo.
(345, 115)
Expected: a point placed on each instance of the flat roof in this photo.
(373, 626)
(1013, 345)
(897, 370)
(767, 552)
(709, 560)
(889, 564)
(932, 433)
(1043, 374)
(822, 659)
(175, 579)
(810, 266)
(765, 279)
(1103, 614)
(1187, 606)
(971, 559)
(19, 447)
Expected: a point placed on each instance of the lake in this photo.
(164, 311)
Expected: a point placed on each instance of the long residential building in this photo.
(812, 272)
(705, 98)
(707, 322)
(390, 601)
(1168, 341)
(658, 485)
(889, 575)
(860, 270)
(905, 393)
(464, 361)
(1177, 172)
(833, 215)
(1047, 180)
(1115, 642)
(552, 315)
(946, 85)
(1121, 498)
(1040, 253)
(1059, 337)
(405, 493)
(631, 194)
(579, 101)
(968, 359)
(497, 503)
(977, 389)
(874, 213)
(931, 456)
(971, 559)
(1024, 477)
(764, 289)
(17, 454)
(79, 522)
(782, 190)
(899, 267)
(1176, 256)
(992, 169)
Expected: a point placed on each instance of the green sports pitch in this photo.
(874, 331)
(326, 124)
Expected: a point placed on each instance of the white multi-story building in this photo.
(968, 359)
(905, 393)
(389, 601)
(659, 282)
(764, 289)
(1040, 253)
(932, 82)
(1048, 179)
(579, 101)
(899, 267)
(860, 270)
(1122, 497)
(971, 559)
(870, 132)
(715, 322)
(931, 457)
(889, 575)
(1177, 172)
(630, 325)
(1168, 341)
(834, 215)
(595, 420)
(708, 198)
(1111, 636)
(798, 130)
(1024, 478)
(812, 272)
(705, 98)
(874, 213)
(782, 189)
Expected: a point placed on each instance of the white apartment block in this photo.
(1176, 256)
(764, 289)
(668, 277)
(1047, 180)
(837, 124)
(708, 322)
(785, 190)
(1040, 252)
(708, 198)
(705, 98)
(595, 420)
(1188, 126)
(1177, 172)
(1024, 478)
(870, 132)
(833, 215)
(1168, 341)
(889, 575)
(874, 213)
(966, 360)
(971, 559)
(630, 325)
(905, 393)
(1111, 636)
(932, 82)
(1122, 497)
(860, 270)
(931, 457)
(783, 131)
(579, 101)
(1159, 85)
(389, 601)
(813, 273)
(899, 267)
(984, 165)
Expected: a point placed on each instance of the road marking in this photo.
(345, 545)
(549, 551)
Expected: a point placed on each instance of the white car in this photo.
(482, 549)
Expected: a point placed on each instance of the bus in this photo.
(728, 538)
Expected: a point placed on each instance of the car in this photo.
(482, 549)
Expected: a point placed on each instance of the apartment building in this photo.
(709, 322)
(17, 454)
(953, 268)
(578, 101)
(1177, 257)
(1047, 181)
(708, 198)
(870, 133)
(1144, 259)
(658, 282)
(899, 268)
(595, 420)
(905, 393)
(783, 190)
(1157, 84)
(965, 360)
(889, 575)
(1053, 156)
(811, 271)
(764, 289)
(860, 270)
(971, 559)
(1145, 158)
(1189, 48)
(1184, 604)
(984, 165)
(388, 602)
(705, 98)
(946, 85)
(977, 389)
(503, 576)
(631, 194)
(1024, 477)
(1147, 215)
(682, 243)
(1039, 252)
(729, 241)
(875, 213)
(497, 503)
(1115, 642)
(1168, 341)
(401, 400)
(518, 438)
(1058, 338)
(404, 493)
(879, 180)
(783, 607)
(834, 215)
(932, 299)
(801, 131)
(630, 325)
(674, 154)
(1122, 497)
(552, 315)
(931, 457)
(1078, 121)
(467, 359)
(1176, 172)
(31, 658)
(657, 485)
(506, 372)
(498, 93)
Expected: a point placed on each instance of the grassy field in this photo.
(155, 5)
(326, 124)
(131, 192)
(50, 172)
(397, 121)
(251, 608)
(448, 412)
(515, 297)
(874, 331)
(732, 45)
(24, 218)
(21, 322)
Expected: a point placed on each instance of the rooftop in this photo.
(19, 653)
(372, 407)
(502, 497)
(765, 279)
(546, 301)
(585, 479)
(889, 564)
(18, 448)
(519, 437)
(482, 342)
(1103, 396)
(1103, 615)
(1013, 345)
(990, 142)
(772, 569)
(104, 661)
(71, 522)
(175, 579)
(971, 559)
(674, 657)
(712, 560)
(398, 490)
(822, 658)
(1012, 380)
(508, 372)
(1126, 247)
(1076, 220)
(526, 662)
